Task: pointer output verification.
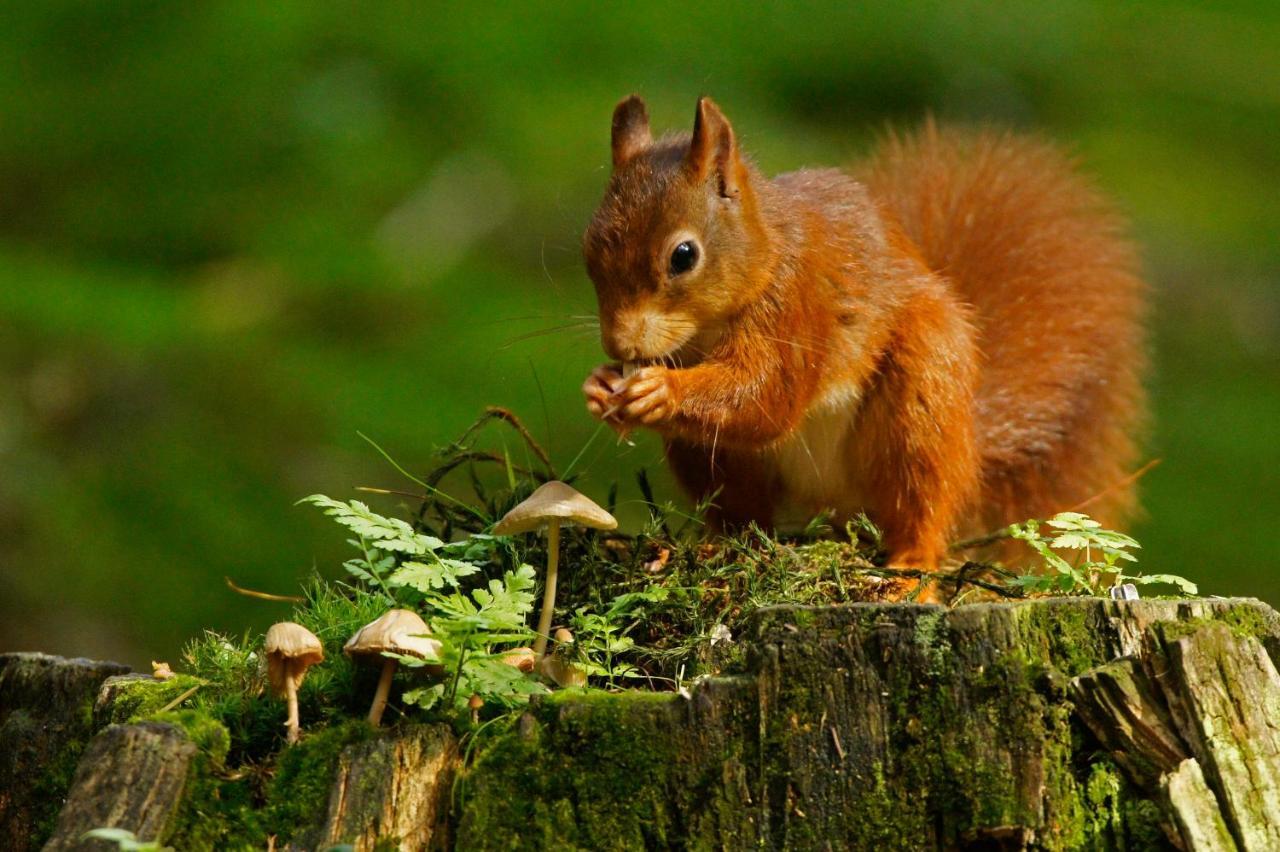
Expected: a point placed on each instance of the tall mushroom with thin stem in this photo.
(551, 505)
(397, 631)
(291, 649)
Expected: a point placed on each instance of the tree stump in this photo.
(1054, 724)
(46, 718)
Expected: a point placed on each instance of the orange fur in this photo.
(951, 341)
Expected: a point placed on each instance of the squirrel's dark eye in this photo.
(683, 257)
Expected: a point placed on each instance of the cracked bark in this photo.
(1192, 716)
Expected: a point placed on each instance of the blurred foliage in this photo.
(234, 234)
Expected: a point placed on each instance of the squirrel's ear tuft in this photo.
(630, 129)
(714, 150)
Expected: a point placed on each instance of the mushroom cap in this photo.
(290, 649)
(554, 501)
(520, 658)
(561, 672)
(399, 631)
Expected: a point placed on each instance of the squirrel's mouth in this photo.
(629, 367)
(685, 356)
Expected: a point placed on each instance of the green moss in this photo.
(217, 809)
(592, 769)
(1244, 621)
(136, 699)
(931, 633)
(304, 775)
(1070, 634)
(209, 735)
(49, 789)
(589, 770)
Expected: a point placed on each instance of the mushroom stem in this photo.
(291, 693)
(549, 590)
(384, 689)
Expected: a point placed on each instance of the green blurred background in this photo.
(232, 235)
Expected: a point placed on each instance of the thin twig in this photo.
(181, 698)
(407, 475)
(369, 489)
(1128, 480)
(983, 540)
(494, 412)
(461, 457)
(1006, 532)
(262, 596)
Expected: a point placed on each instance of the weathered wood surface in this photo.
(1071, 724)
(1195, 810)
(45, 720)
(131, 776)
(1200, 705)
(390, 787)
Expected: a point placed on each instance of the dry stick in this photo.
(262, 596)
(181, 698)
(494, 412)
(465, 456)
(915, 573)
(369, 489)
(982, 540)
(1128, 480)
(1003, 533)
(384, 689)
(549, 590)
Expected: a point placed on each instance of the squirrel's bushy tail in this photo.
(1058, 302)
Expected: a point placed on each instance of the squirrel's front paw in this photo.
(646, 398)
(599, 388)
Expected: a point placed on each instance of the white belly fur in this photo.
(814, 465)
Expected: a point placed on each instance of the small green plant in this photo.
(470, 628)
(1103, 558)
(474, 625)
(599, 640)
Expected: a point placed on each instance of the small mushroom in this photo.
(561, 672)
(520, 658)
(397, 631)
(291, 649)
(552, 504)
(558, 667)
(474, 704)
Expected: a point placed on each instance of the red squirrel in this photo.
(949, 338)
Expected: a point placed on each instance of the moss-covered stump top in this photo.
(1052, 724)
(861, 726)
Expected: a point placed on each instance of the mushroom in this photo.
(396, 631)
(520, 658)
(474, 704)
(561, 672)
(558, 668)
(291, 649)
(552, 504)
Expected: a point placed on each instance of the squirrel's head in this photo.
(678, 246)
